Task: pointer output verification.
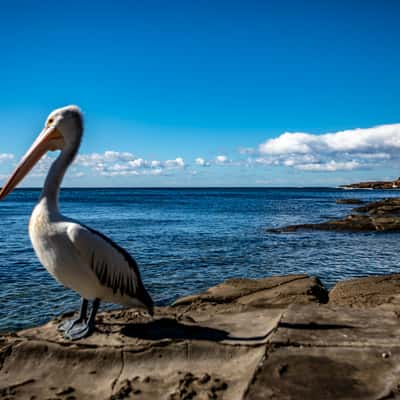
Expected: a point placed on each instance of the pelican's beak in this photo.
(49, 139)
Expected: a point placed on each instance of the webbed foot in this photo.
(81, 327)
(65, 326)
(79, 330)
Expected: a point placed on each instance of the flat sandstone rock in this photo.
(272, 338)
(369, 292)
(276, 290)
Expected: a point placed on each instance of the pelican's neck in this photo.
(54, 178)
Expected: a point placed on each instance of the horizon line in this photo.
(185, 187)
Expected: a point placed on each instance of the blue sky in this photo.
(200, 93)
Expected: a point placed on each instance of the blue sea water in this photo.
(186, 240)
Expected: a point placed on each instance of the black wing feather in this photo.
(117, 283)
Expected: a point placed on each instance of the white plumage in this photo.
(77, 256)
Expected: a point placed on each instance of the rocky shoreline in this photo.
(282, 337)
(378, 216)
(381, 185)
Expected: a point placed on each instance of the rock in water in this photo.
(349, 201)
(382, 216)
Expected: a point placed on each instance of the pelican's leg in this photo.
(67, 325)
(84, 328)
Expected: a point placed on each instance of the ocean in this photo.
(186, 240)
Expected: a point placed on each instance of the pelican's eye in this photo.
(50, 121)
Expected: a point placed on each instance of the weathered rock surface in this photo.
(373, 291)
(381, 216)
(374, 185)
(381, 207)
(330, 353)
(273, 338)
(276, 290)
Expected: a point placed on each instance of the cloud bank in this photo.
(113, 163)
(343, 150)
(355, 149)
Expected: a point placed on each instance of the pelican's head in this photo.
(63, 130)
(67, 125)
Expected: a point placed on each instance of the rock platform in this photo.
(282, 337)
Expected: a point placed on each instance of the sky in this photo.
(201, 93)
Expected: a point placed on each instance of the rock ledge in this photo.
(381, 216)
(283, 337)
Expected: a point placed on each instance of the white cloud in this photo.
(110, 155)
(289, 162)
(177, 163)
(115, 167)
(155, 171)
(201, 162)
(383, 138)
(110, 172)
(93, 159)
(373, 156)
(4, 157)
(109, 163)
(343, 150)
(330, 166)
(113, 163)
(138, 163)
(261, 160)
(221, 160)
(155, 164)
(288, 143)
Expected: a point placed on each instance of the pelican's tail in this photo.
(145, 298)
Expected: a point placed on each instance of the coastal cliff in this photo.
(282, 337)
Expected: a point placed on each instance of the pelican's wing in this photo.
(112, 265)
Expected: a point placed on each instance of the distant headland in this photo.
(374, 185)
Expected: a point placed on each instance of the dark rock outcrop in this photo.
(383, 215)
(382, 207)
(349, 201)
(273, 338)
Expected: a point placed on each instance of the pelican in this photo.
(78, 257)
